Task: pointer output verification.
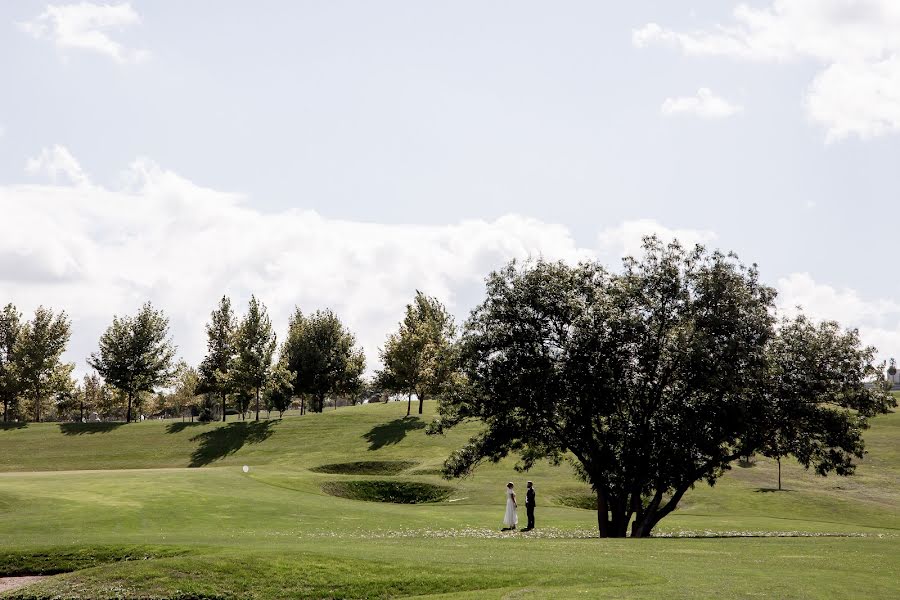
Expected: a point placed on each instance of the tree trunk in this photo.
(81, 416)
(257, 404)
(128, 412)
(602, 516)
(5, 410)
(421, 401)
(612, 517)
(408, 403)
(223, 406)
(778, 460)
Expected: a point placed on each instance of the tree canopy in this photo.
(37, 358)
(220, 338)
(10, 326)
(419, 358)
(255, 347)
(651, 379)
(322, 354)
(136, 354)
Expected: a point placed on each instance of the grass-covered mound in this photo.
(232, 574)
(366, 467)
(396, 492)
(53, 560)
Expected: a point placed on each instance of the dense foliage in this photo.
(653, 378)
(136, 354)
(323, 356)
(215, 368)
(419, 358)
(255, 344)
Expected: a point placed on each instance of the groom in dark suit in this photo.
(529, 506)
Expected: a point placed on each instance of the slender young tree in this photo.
(91, 394)
(37, 354)
(10, 326)
(323, 355)
(186, 392)
(419, 358)
(136, 354)
(255, 346)
(816, 409)
(279, 391)
(214, 370)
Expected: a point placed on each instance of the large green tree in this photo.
(214, 370)
(652, 379)
(255, 346)
(10, 326)
(419, 358)
(323, 355)
(37, 357)
(136, 354)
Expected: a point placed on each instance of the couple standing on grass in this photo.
(511, 519)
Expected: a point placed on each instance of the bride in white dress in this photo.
(510, 519)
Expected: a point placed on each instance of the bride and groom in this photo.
(511, 518)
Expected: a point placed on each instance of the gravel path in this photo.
(11, 583)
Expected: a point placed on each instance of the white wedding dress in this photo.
(510, 519)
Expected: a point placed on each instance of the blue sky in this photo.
(344, 154)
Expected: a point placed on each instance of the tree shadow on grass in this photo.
(392, 432)
(83, 428)
(222, 441)
(771, 490)
(177, 427)
(13, 425)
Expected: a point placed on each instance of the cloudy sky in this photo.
(343, 154)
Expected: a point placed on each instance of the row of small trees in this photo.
(244, 366)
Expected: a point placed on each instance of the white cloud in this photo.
(705, 104)
(857, 99)
(626, 239)
(57, 162)
(878, 320)
(96, 252)
(856, 42)
(84, 26)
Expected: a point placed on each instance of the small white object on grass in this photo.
(246, 469)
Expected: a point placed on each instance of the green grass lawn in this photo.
(162, 509)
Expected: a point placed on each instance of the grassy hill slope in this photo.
(161, 484)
